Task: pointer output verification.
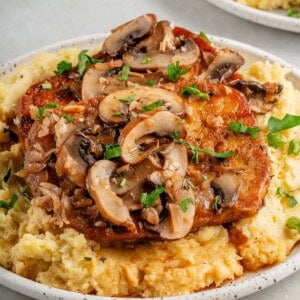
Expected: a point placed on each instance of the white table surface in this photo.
(29, 24)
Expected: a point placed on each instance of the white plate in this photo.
(244, 286)
(276, 19)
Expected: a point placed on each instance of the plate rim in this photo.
(240, 287)
(267, 18)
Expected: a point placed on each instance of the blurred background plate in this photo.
(276, 19)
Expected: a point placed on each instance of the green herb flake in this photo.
(62, 67)
(112, 151)
(196, 150)
(275, 140)
(293, 223)
(68, 117)
(148, 200)
(146, 60)
(83, 60)
(217, 203)
(123, 182)
(293, 13)
(185, 203)
(150, 82)
(24, 191)
(204, 36)
(7, 175)
(46, 85)
(174, 71)
(282, 193)
(204, 177)
(294, 147)
(42, 109)
(118, 114)
(288, 121)
(127, 99)
(239, 127)
(124, 73)
(193, 90)
(11, 204)
(87, 258)
(152, 105)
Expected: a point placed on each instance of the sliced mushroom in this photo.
(69, 161)
(109, 204)
(160, 123)
(224, 65)
(179, 222)
(227, 186)
(98, 82)
(176, 160)
(187, 54)
(261, 97)
(113, 103)
(128, 34)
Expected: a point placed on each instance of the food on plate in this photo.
(270, 4)
(149, 167)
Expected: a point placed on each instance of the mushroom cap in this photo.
(186, 55)
(128, 33)
(112, 104)
(225, 64)
(109, 204)
(160, 123)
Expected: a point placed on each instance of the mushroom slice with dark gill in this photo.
(223, 66)
(261, 97)
(114, 103)
(162, 50)
(109, 204)
(128, 34)
(161, 123)
(227, 187)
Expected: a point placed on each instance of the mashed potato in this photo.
(32, 246)
(269, 4)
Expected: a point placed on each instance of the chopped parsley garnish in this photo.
(217, 203)
(68, 117)
(275, 140)
(148, 200)
(123, 182)
(150, 82)
(293, 13)
(239, 127)
(288, 121)
(204, 36)
(83, 60)
(41, 110)
(11, 204)
(196, 150)
(7, 175)
(112, 151)
(87, 258)
(46, 85)
(293, 223)
(127, 99)
(62, 67)
(124, 73)
(152, 105)
(282, 193)
(118, 114)
(204, 177)
(146, 60)
(185, 203)
(193, 90)
(294, 147)
(174, 71)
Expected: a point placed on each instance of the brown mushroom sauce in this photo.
(113, 158)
